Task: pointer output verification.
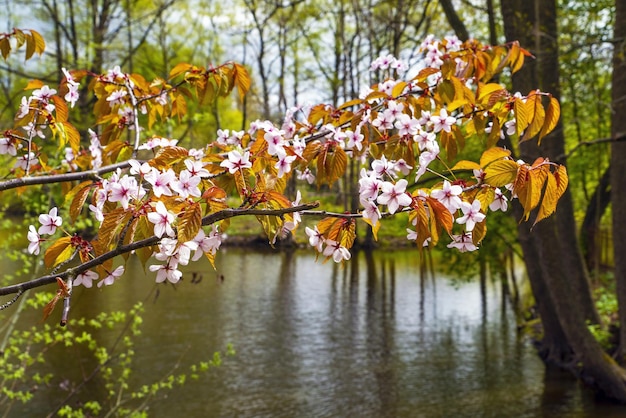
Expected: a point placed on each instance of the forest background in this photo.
(303, 52)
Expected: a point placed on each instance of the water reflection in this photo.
(380, 337)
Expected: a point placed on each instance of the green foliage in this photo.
(25, 374)
(606, 303)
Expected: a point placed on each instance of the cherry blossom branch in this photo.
(123, 249)
(60, 178)
(325, 213)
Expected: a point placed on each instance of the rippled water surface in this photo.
(372, 339)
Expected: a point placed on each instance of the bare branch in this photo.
(620, 137)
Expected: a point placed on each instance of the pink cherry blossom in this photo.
(471, 215)
(355, 140)
(72, 95)
(117, 97)
(236, 161)
(187, 185)
(306, 175)
(316, 239)
(370, 211)
(499, 201)
(124, 190)
(384, 120)
(369, 185)
(207, 243)
(33, 130)
(168, 271)
(142, 169)
(24, 108)
(425, 158)
(275, 141)
(336, 250)
(401, 166)
(86, 278)
(49, 222)
(196, 168)
(44, 94)
(222, 136)
(34, 240)
(383, 167)
(112, 277)
(463, 242)
(394, 195)
(296, 216)
(7, 146)
(284, 163)
(162, 220)
(448, 195)
(406, 125)
(425, 139)
(161, 181)
(443, 121)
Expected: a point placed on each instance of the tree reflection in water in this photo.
(379, 337)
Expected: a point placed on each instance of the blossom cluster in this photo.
(383, 125)
(328, 247)
(49, 223)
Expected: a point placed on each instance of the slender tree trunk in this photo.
(551, 252)
(454, 20)
(598, 203)
(618, 173)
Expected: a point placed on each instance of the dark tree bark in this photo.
(454, 20)
(618, 173)
(551, 252)
(598, 203)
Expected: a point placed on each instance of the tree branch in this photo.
(60, 178)
(123, 249)
(620, 137)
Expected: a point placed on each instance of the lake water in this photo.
(371, 339)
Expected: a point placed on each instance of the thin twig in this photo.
(12, 301)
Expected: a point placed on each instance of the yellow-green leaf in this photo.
(241, 79)
(493, 154)
(553, 112)
(168, 156)
(522, 116)
(61, 250)
(78, 195)
(69, 134)
(5, 47)
(398, 89)
(485, 196)
(466, 165)
(190, 222)
(528, 187)
(501, 173)
(30, 46)
(40, 43)
(179, 69)
(537, 115)
(375, 227)
(550, 198)
(561, 180)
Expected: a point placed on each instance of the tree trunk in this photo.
(454, 20)
(599, 202)
(553, 258)
(618, 174)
